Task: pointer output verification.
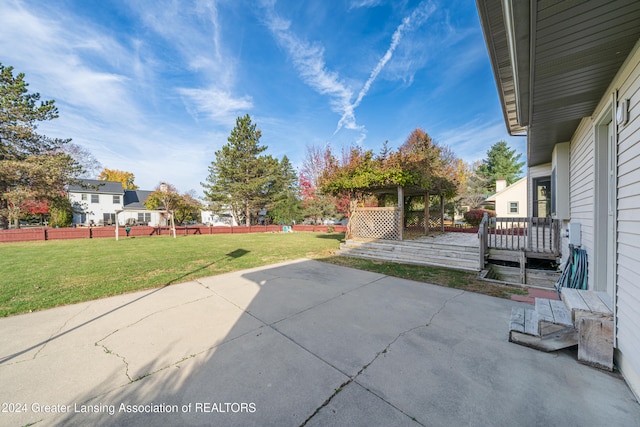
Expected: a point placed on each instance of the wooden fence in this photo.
(45, 233)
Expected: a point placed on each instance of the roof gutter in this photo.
(517, 26)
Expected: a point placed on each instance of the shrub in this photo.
(474, 216)
(61, 212)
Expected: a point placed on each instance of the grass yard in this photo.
(458, 279)
(40, 275)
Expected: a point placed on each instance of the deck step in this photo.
(524, 330)
(414, 252)
(592, 315)
(553, 316)
(583, 318)
(585, 303)
(553, 342)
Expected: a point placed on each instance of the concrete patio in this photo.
(290, 344)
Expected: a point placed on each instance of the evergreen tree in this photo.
(32, 166)
(501, 162)
(244, 179)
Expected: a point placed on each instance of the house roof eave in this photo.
(563, 43)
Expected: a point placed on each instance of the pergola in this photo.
(388, 222)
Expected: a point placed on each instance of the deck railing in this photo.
(483, 236)
(535, 235)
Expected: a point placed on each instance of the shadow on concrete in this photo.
(234, 254)
(308, 343)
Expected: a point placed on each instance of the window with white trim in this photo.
(513, 207)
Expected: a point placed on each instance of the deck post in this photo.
(426, 213)
(483, 236)
(442, 213)
(401, 207)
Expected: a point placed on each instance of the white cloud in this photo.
(217, 104)
(59, 45)
(194, 32)
(308, 59)
(105, 91)
(471, 140)
(417, 17)
(357, 4)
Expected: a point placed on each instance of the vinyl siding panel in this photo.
(581, 186)
(628, 224)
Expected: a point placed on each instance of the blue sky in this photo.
(154, 87)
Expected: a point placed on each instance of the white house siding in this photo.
(95, 211)
(628, 224)
(581, 186)
(516, 192)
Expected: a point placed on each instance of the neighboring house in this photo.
(134, 211)
(510, 201)
(95, 202)
(568, 76)
(210, 218)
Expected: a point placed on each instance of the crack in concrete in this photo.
(124, 360)
(107, 350)
(353, 378)
(377, 355)
(57, 332)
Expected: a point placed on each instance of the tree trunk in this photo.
(247, 212)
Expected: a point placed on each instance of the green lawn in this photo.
(40, 275)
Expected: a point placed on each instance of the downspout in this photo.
(614, 274)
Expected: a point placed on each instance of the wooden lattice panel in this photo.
(376, 223)
(435, 221)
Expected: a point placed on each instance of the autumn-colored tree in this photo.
(41, 177)
(418, 162)
(126, 178)
(316, 204)
(187, 208)
(165, 196)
